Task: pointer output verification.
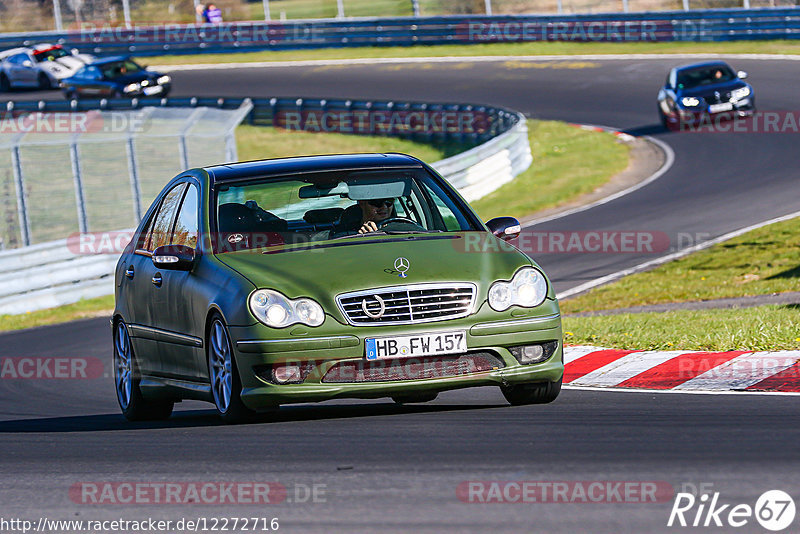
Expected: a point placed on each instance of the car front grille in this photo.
(419, 303)
(351, 372)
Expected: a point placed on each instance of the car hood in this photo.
(334, 267)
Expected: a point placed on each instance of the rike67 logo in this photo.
(774, 510)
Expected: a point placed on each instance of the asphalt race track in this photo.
(392, 468)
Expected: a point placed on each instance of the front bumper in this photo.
(253, 353)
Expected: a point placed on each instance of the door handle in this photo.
(157, 280)
(129, 272)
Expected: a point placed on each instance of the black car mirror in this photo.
(506, 228)
(741, 74)
(174, 257)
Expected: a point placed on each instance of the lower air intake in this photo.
(412, 368)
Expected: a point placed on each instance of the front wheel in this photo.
(226, 386)
(126, 379)
(5, 84)
(537, 393)
(44, 81)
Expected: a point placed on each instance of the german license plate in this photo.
(380, 348)
(717, 108)
(153, 90)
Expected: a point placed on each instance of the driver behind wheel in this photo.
(373, 212)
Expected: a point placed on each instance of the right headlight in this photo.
(690, 101)
(131, 88)
(276, 310)
(528, 289)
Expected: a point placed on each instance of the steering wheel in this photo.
(381, 225)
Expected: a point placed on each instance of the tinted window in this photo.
(159, 232)
(186, 227)
(698, 76)
(333, 205)
(18, 59)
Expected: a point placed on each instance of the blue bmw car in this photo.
(115, 77)
(697, 91)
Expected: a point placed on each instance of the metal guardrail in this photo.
(52, 274)
(700, 25)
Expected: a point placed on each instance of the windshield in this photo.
(50, 55)
(117, 69)
(690, 78)
(334, 205)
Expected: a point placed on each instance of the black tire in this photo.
(415, 399)
(5, 85)
(218, 344)
(536, 393)
(44, 82)
(133, 405)
(70, 94)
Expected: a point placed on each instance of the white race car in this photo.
(41, 66)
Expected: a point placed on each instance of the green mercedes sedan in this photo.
(256, 284)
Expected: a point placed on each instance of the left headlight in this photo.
(276, 310)
(742, 92)
(690, 101)
(528, 289)
(163, 79)
(131, 88)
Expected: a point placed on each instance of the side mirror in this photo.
(174, 257)
(27, 63)
(506, 228)
(741, 74)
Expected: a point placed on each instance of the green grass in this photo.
(567, 162)
(760, 328)
(766, 260)
(256, 142)
(79, 310)
(490, 49)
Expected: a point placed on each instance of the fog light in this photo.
(287, 373)
(528, 354)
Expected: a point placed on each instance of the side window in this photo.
(161, 227)
(186, 225)
(451, 222)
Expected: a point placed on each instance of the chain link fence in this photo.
(64, 173)
(33, 15)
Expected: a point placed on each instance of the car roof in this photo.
(302, 164)
(703, 64)
(43, 47)
(109, 59)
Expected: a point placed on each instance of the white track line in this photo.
(669, 257)
(622, 369)
(681, 392)
(669, 155)
(458, 59)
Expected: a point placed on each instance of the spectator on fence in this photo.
(213, 14)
